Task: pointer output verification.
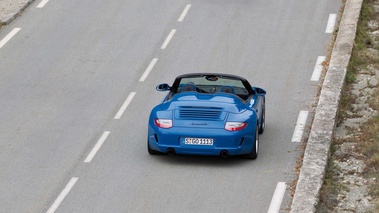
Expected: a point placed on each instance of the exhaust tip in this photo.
(224, 154)
(170, 151)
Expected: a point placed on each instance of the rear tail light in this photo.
(235, 126)
(163, 123)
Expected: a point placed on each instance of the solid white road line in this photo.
(277, 198)
(184, 13)
(148, 69)
(124, 105)
(318, 68)
(300, 125)
(97, 147)
(9, 36)
(63, 194)
(331, 22)
(42, 3)
(168, 39)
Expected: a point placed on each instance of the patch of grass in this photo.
(370, 139)
(331, 188)
(345, 100)
(363, 40)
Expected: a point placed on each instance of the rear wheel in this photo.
(263, 121)
(150, 150)
(254, 153)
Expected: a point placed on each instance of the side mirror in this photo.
(259, 91)
(163, 87)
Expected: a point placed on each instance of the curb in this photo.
(10, 18)
(317, 151)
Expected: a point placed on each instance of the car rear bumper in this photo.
(234, 143)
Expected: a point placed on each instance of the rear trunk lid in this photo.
(203, 110)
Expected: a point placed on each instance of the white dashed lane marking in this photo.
(124, 105)
(62, 195)
(318, 68)
(331, 23)
(168, 39)
(42, 3)
(9, 36)
(184, 13)
(148, 69)
(277, 198)
(300, 125)
(97, 147)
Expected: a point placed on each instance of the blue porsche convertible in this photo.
(208, 114)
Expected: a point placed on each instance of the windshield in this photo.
(213, 84)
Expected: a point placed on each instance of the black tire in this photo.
(263, 121)
(151, 151)
(254, 153)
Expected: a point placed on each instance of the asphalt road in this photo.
(71, 66)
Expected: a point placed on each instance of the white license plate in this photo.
(198, 141)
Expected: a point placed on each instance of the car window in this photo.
(213, 84)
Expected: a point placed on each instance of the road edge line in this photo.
(317, 152)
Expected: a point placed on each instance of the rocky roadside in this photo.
(351, 181)
(348, 159)
(10, 9)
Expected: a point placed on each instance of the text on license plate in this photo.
(198, 141)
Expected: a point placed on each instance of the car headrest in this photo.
(227, 89)
(189, 87)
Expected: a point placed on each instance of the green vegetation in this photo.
(370, 148)
(330, 189)
(363, 56)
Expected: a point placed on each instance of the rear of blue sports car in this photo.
(197, 124)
